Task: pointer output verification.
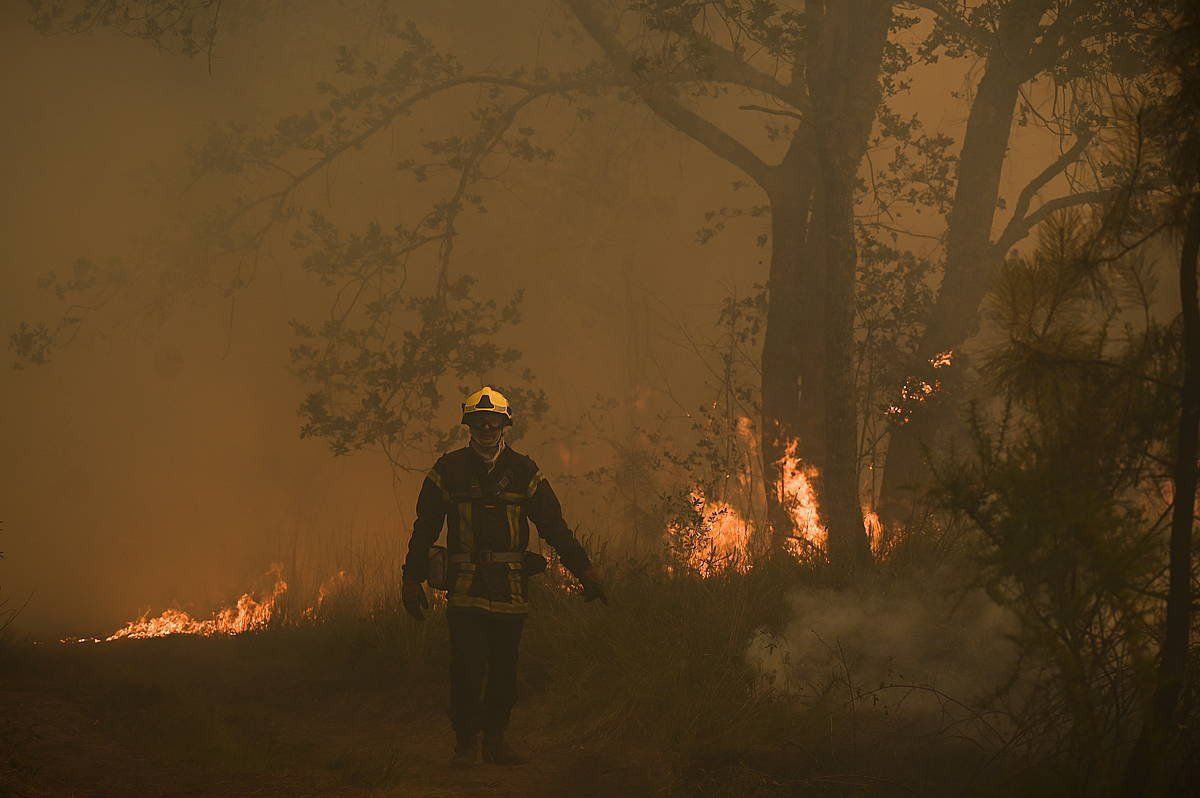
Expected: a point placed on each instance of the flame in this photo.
(799, 496)
(727, 542)
(329, 587)
(874, 529)
(247, 614)
(916, 391)
(723, 540)
(721, 537)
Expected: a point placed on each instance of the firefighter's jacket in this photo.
(487, 512)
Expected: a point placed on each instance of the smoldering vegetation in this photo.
(861, 340)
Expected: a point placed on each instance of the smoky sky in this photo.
(159, 464)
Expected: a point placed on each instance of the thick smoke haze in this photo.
(157, 461)
(163, 464)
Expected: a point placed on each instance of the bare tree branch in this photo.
(728, 68)
(280, 196)
(1019, 227)
(775, 111)
(665, 104)
(1049, 173)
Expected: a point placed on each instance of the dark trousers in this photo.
(483, 670)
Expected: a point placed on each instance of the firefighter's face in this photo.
(486, 428)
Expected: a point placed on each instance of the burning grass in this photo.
(715, 534)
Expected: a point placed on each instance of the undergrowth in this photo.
(783, 680)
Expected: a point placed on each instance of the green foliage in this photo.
(773, 28)
(185, 26)
(1063, 488)
(403, 328)
(84, 290)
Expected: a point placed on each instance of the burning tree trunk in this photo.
(844, 62)
(793, 395)
(809, 406)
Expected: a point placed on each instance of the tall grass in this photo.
(786, 679)
(664, 675)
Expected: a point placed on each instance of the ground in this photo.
(654, 695)
(282, 716)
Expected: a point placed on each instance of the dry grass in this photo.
(654, 694)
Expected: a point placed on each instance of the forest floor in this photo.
(654, 695)
(212, 717)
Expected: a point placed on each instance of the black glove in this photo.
(592, 589)
(414, 599)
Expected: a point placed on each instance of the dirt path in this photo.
(116, 728)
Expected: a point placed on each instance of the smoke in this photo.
(877, 636)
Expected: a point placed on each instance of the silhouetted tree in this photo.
(1068, 47)
(1174, 129)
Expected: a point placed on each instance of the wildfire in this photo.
(916, 391)
(874, 530)
(247, 614)
(798, 494)
(329, 587)
(721, 534)
(721, 540)
(942, 359)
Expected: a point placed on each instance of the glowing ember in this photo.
(942, 359)
(247, 614)
(916, 391)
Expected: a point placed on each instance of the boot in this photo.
(497, 752)
(466, 751)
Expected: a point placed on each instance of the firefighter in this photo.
(486, 492)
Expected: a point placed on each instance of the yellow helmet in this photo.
(487, 400)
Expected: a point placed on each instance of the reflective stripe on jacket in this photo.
(487, 511)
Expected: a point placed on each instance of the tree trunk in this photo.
(841, 504)
(971, 260)
(1143, 774)
(793, 395)
(843, 67)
